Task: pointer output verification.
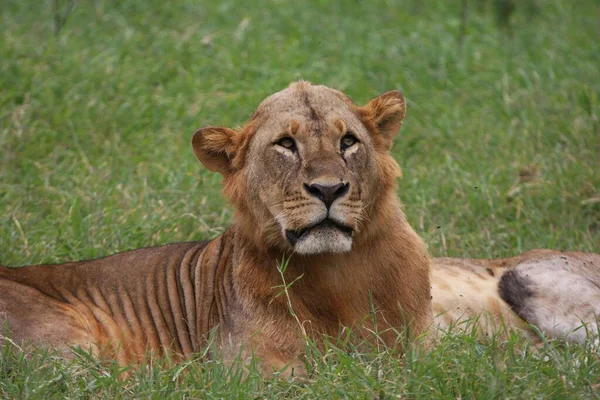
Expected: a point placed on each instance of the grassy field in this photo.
(500, 153)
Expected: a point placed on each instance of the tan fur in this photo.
(561, 297)
(353, 259)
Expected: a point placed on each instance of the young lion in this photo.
(312, 183)
(313, 186)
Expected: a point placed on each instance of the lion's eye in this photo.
(287, 142)
(348, 140)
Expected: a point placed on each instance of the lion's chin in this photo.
(323, 238)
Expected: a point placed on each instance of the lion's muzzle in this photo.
(328, 232)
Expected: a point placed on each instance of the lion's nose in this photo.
(327, 193)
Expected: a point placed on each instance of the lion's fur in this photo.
(557, 292)
(125, 304)
(351, 261)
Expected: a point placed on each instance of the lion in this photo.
(312, 183)
(319, 245)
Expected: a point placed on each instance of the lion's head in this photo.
(309, 169)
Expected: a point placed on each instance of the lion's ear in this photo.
(215, 148)
(386, 112)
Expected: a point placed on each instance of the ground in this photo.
(500, 153)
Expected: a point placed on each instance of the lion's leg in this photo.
(559, 294)
(28, 317)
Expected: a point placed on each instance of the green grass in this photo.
(95, 158)
(459, 367)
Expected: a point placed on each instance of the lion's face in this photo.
(308, 169)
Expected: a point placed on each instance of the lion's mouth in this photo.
(293, 236)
